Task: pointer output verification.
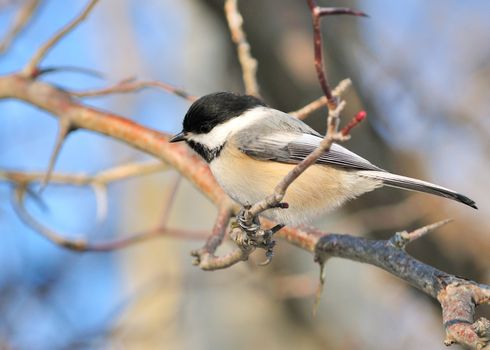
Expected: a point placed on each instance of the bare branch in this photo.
(169, 201)
(389, 257)
(359, 117)
(208, 262)
(100, 193)
(273, 200)
(205, 257)
(335, 108)
(401, 239)
(31, 67)
(65, 128)
(247, 62)
(458, 297)
(104, 177)
(130, 85)
(21, 19)
(317, 13)
(97, 182)
(60, 104)
(458, 301)
(81, 245)
(320, 102)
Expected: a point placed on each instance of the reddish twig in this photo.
(359, 117)
(317, 13)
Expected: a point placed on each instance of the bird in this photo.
(250, 147)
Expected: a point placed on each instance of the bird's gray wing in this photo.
(293, 147)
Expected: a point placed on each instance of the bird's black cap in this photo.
(216, 108)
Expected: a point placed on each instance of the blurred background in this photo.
(420, 69)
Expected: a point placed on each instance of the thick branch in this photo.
(458, 297)
(60, 104)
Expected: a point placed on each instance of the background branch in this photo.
(30, 69)
(458, 297)
(20, 21)
(247, 62)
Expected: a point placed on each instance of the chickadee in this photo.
(250, 148)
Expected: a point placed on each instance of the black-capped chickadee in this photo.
(251, 147)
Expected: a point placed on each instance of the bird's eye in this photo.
(204, 128)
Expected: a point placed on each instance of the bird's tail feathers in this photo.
(408, 183)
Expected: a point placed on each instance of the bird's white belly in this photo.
(319, 189)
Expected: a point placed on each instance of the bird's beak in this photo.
(179, 137)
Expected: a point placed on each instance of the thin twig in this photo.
(65, 127)
(247, 62)
(401, 239)
(31, 67)
(275, 198)
(358, 118)
(320, 102)
(97, 182)
(208, 262)
(103, 177)
(317, 13)
(20, 21)
(248, 217)
(205, 255)
(130, 85)
(334, 106)
(169, 201)
(81, 245)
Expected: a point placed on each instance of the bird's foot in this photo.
(253, 236)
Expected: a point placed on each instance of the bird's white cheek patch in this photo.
(219, 134)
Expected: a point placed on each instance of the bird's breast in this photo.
(319, 189)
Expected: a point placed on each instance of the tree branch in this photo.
(31, 67)
(21, 19)
(131, 85)
(458, 297)
(317, 13)
(247, 62)
(81, 245)
(320, 102)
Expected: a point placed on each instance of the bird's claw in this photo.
(256, 237)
